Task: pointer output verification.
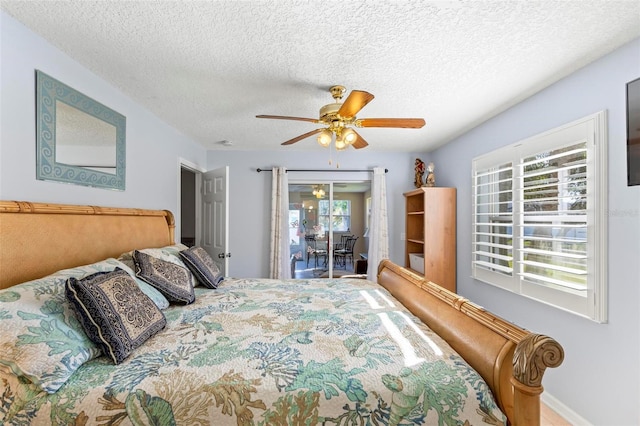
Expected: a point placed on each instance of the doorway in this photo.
(204, 216)
(327, 227)
(188, 206)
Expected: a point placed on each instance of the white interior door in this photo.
(215, 217)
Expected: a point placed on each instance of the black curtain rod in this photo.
(320, 170)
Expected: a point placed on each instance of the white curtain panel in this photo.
(280, 262)
(378, 226)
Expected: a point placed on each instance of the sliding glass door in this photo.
(327, 225)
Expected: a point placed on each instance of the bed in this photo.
(253, 351)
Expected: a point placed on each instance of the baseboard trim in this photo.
(564, 411)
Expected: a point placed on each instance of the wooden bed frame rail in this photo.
(510, 359)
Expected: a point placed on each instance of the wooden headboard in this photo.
(37, 239)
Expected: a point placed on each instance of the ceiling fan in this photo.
(339, 116)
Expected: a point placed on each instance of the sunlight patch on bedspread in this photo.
(373, 303)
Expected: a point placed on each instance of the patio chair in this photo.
(341, 256)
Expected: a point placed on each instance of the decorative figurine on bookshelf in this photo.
(419, 173)
(431, 176)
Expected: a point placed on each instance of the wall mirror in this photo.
(78, 140)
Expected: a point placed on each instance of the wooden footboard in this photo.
(510, 359)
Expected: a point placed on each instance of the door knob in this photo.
(221, 256)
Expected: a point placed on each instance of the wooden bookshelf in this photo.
(430, 229)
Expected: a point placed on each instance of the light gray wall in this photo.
(250, 201)
(153, 147)
(600, 376)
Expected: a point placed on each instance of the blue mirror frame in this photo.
(48, 92)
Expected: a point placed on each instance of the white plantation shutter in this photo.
(539, 224)
(493, 221)
(554, 228)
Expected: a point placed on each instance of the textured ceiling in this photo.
(209, 67)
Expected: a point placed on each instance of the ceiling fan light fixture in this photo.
(318, 191)
(339, 116)
(349, 136)
(325, 137)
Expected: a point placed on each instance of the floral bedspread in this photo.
(267, 352)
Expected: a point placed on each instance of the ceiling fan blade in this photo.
(284, 117)
(356, 100)
(409, 123)
(360, 142)
(299, 138)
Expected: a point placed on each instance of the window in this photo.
(341, 215)
(539, 222)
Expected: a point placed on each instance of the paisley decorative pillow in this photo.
(175, 282)
(167, 253)
(157, 297)
(202, 266)
(114, 312)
